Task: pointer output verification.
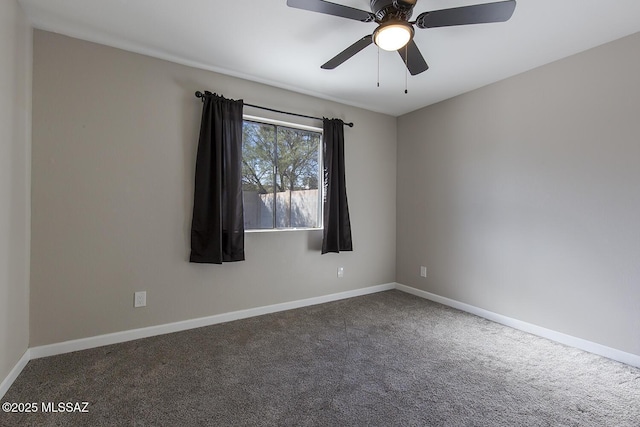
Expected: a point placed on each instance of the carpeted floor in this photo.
(387, 359)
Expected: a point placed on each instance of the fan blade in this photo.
(348, 53)
(413, 59)
(332, 9)
(476, 14)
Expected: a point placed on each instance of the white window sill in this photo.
(275, 230)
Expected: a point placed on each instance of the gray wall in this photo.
(114, 144)
(523, 197)
(15, 113)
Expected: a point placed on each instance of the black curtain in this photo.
(337, 227)
(217, 227)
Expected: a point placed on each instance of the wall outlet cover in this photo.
(140, 299)
(423, 271)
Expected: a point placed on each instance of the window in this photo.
(281, 176)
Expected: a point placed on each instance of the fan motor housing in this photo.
(392, 9)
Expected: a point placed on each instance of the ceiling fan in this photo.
(395, 31)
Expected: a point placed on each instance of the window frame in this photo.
(321, 177)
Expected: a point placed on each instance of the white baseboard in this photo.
(13, 374)
(134, 334)
(582, 344)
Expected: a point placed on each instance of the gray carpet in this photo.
(388, 359)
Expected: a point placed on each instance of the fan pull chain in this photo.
(406, 82)
(406, 69)
(378, 66)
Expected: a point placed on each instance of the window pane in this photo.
(297, 178)
(281, 179)
(258, 167)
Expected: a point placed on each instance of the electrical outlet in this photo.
(423, 271)
(340, 272)
(140, 299)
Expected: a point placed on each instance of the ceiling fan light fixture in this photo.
(393, 35)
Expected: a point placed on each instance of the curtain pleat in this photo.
(337, 226)
(217, 227)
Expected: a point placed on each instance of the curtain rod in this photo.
(202, 95)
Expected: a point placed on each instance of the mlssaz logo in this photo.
(65, 407)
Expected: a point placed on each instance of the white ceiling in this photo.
(268, 42)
